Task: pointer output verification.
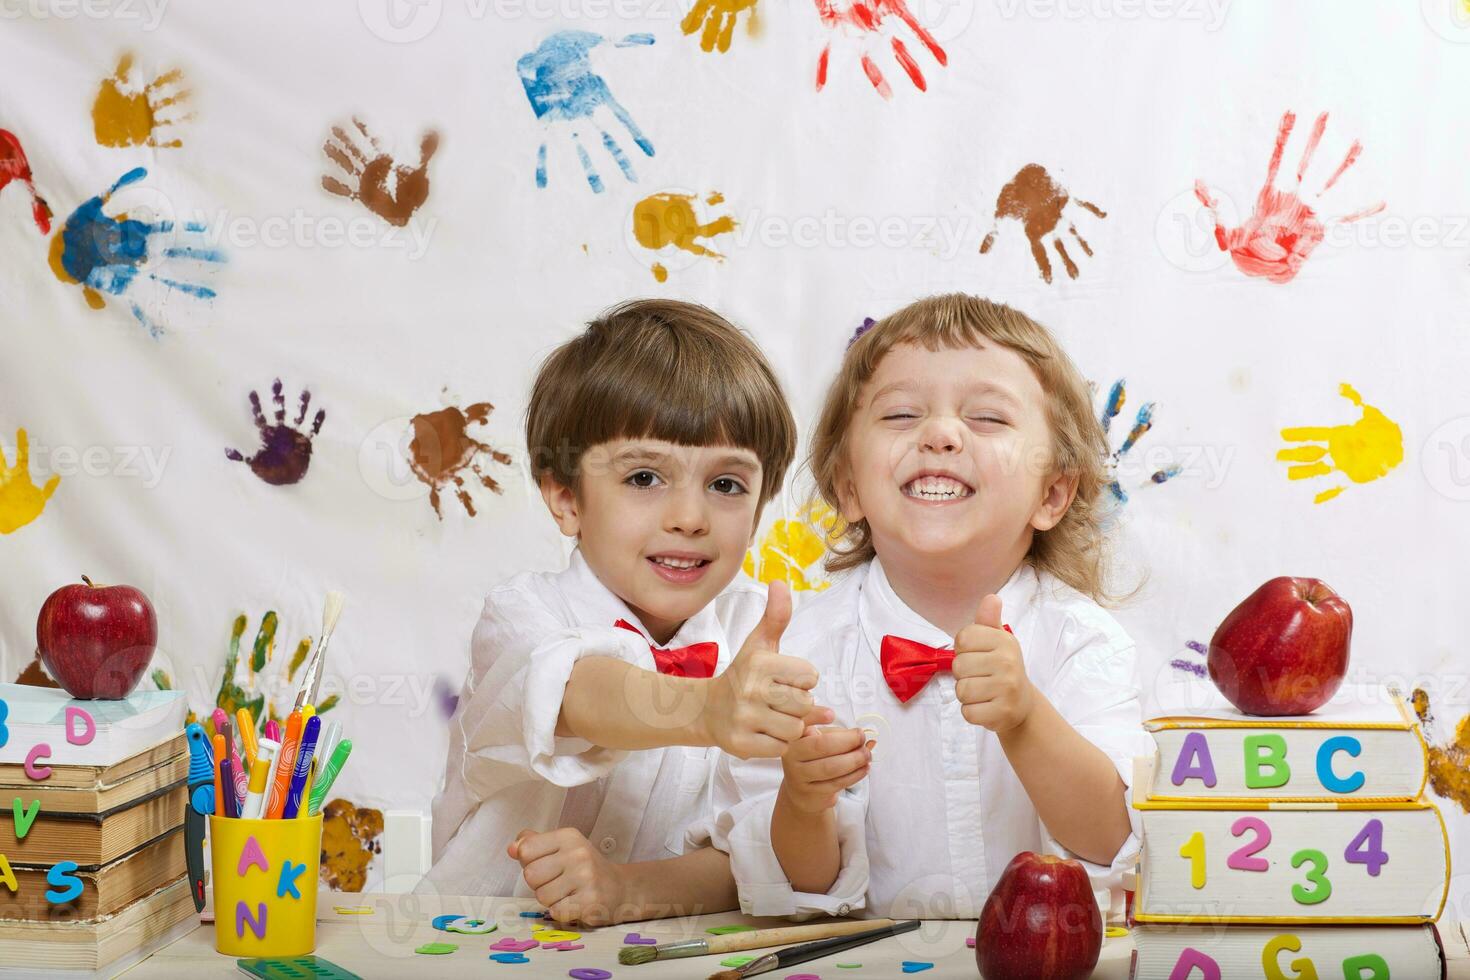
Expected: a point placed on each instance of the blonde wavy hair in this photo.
(1075, 549)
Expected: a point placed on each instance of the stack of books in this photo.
(92, 863)
(1292, 846)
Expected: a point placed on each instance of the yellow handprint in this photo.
(718, 19)
(669, 219)
(791, 547)
(130, 118)
(21, 501)
(1363, 451)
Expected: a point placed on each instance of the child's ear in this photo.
(848, 505)
(561, 500)
(1056, 497)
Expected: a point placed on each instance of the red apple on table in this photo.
(1284, 650)
(1040, 920)
(96, 640)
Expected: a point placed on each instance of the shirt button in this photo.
(843, 909)
(607, 844)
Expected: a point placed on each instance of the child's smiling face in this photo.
(949, 454)
(664, 527)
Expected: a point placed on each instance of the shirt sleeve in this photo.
(1096, 690)
(521, 660)
(744, 798)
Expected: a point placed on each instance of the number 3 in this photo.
(1316, 876)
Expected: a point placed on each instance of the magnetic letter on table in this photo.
(23, 820)
(89, 730)
(252, 854)
(34, 771)
(242, 916)
(61, 875)
(287, 883)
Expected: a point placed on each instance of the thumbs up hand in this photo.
(990, 673)
(757, 706)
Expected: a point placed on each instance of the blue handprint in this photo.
(104, 254)
(1142, 422)
(563, 88)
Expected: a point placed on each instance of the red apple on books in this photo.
(1284, 650)
(96, 640)
(1040, 920)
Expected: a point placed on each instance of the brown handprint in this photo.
(124, 116)
(410, 185)
(1283, 230)
(1037, 201)
(442, 449)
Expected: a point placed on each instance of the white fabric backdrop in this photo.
(1125, 105)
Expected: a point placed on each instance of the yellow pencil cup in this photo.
(265, 881)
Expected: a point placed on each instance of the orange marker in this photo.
(285, 766)
(219, 753)
(245, 725)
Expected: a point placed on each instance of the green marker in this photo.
(328, 776)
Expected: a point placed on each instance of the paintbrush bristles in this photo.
(727, 975)
(331, 611)
(634, 955)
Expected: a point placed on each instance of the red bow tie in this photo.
(908, 664)
(695, 660)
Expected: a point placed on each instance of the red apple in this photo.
(1284, 650)
(96, 640)
(1040, 920)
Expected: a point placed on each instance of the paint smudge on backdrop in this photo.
(1142, 422)
(285, 448)
(15, 167)
(665, 219)
(349, 844)
(1189, 665)
(21, 501)
(373, 174)
(868, 21)
(565, 92)
(717, 18)
(1449, 764)
(1283, 230)
(1039, 203)
(34, 674)
(125, 115)
(105, 254)
(793, 549)
(442, 452)
(1362, 451)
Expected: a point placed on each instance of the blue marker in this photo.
(297, 789)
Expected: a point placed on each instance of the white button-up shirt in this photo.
(941, 812)
(507, 769)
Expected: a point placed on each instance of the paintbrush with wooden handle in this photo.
(755, 939)
(811, 951)
(311, 680)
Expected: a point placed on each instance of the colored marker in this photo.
(275, 803)
(217, 717)
(245, 724)
(227, 781)
(218, 741)
(273, 730)
(328, 776)
(237, 771)
(255, 797)
(297, 788)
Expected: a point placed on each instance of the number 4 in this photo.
(1367, 847)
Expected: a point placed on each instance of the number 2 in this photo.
(1316, 876)
(1243, 859)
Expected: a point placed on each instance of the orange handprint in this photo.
(667, 218)
(21, 501)
(718, 20)
(865, 19)
(1283, 230)
(410, 188)
(123, 115)
(1037, 201)
(1362, 451)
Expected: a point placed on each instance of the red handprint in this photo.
(865, 19)
(1283, 230)
(15, 167)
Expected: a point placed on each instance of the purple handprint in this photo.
(285, 450)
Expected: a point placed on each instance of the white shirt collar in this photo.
(881, 612)
(594, 604)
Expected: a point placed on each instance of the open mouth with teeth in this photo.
(678, 564)
(937, 488)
